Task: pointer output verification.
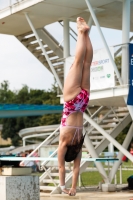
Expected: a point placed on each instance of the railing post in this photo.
(120, 174)
(24, 142)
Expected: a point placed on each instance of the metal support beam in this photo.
(125, 40)
(108, 137)
(24, 142)
(44, 51)
(90, 21)
(66, 39)
(114, 133)
(66, 42)
(103, 39)
(125, 145)
(94, 154)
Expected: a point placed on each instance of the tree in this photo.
(11, 126)
(6, 95)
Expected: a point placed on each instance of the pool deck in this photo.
(123, 195)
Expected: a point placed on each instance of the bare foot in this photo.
(81, 25)
(72, 192)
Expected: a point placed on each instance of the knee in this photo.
(87, 64)
(77, 62)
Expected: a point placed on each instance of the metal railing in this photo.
(55, 133)
(8, 3)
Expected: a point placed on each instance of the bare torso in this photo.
(67, 132)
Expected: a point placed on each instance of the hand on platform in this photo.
(21, 164)
(72, 192)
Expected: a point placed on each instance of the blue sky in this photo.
(20, 67)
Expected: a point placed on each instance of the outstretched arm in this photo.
(61, 162)
(76, 169)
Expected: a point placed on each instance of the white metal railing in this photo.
(7, 3)
(45, 141)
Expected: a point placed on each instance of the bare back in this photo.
(74, 120)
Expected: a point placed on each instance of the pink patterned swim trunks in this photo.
(79, 103)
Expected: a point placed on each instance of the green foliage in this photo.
(50, 119)
(118, 61)
(6, 95)
(120, 138)
(11, 126)
(4, 145)
(92, 178)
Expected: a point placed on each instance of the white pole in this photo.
(111, 148)
(108, 137)
(44, 51)
(66, 43)
(66, 39)
(103, 39)
(120, 174)
(79, 180)
(24, 142)
(90, 21)
(115, 180)
(125, 40)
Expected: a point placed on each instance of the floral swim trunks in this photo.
(79, 103)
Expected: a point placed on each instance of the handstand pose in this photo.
(76, 97)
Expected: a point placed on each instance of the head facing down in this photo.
(74, 149)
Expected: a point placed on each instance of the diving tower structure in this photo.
(26, 20)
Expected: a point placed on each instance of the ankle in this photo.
(62, 187)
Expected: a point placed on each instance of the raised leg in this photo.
(72, 85)
(87, 63)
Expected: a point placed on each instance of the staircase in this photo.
(52, 47)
